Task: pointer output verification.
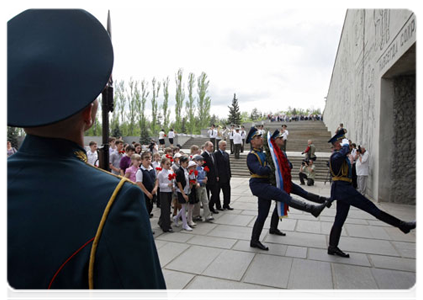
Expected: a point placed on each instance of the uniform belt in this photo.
(260, 176)
(337, 178)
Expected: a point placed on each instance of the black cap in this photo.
(58, 62)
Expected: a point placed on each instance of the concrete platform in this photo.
(217, 256)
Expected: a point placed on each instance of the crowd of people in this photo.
(172, 178)
(286, 118)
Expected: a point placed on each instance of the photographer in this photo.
(362, 169)
(307, 172)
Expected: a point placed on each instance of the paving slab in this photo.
(269, 270)
(230, 265)
(170, 251)
(194, 260)
(389, 279)
(176, 280)
(299, 239)
(274, 249)
(394, 263)
(308, 274)
(218, 289)
(236, 220)
(294, 251)
(209, 241)
(358, 259)
(365, 231)
(407, 250)
(231, 232)
(353, 277)
(367, 246)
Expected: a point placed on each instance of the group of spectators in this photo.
(285, 118)
(172, 178)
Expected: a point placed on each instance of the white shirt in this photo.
(237, 138)
(186, 187)
(171, 134)
(231, 134)
(164, 181)
(212, 133)
(243, 134)
(362, 167)
(139, 175)
(161, 135)
(92, 158)
(285, 134)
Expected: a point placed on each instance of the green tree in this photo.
(234, 113)
(154, 105)
(134, 105)
(190, 105)
(141, 109)
(179, 97)
(165, 105)
(203, 100)
(255, 114)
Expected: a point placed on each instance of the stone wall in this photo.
(359, 96)
(404, 138)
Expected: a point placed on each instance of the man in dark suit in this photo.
(224, 173)
(212, 177)
(70, 225)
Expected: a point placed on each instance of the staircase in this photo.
(239, 167)
(299, 133)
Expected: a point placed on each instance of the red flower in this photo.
(206, 169)
(172, 176)
(191, 171)
(196, 173)
(159, 169)
(165, 135)
(121, 152)
(192, 181)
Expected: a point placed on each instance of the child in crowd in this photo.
(165, 178)
(133, 169)
(201, 189)
(146, 179)
(92, 154)
(138, 148)
(157, 167)
(192, 166)
(194, 151)
(175, 168)
(125, 161)
(182, 190)
(168, 151)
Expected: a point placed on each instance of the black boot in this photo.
(274, 224)
(315, 210)
(391, 220)
(407, 226)
(319, 199)
(255, 243)
(335, 235)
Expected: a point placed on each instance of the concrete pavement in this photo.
(217, 255)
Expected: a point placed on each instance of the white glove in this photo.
(345, 142)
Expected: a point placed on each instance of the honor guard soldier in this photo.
(70, 225)
(260, 186)
(346, 195)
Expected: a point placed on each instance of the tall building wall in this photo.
(372, 91)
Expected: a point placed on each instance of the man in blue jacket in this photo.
(70, 224)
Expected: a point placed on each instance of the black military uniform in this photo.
(346, 195)
(70, 225)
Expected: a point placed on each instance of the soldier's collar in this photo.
(52, 147)
(258, 149)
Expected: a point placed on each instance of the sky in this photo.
(272, 57)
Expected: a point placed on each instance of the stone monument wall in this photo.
(376, 50)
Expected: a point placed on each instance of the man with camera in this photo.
(362, 168)
(307, 172)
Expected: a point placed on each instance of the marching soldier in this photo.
(346, 195)
(70, 225)
(260, 186)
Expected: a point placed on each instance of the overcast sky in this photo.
(272, 58)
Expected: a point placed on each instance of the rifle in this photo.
(107, 106)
